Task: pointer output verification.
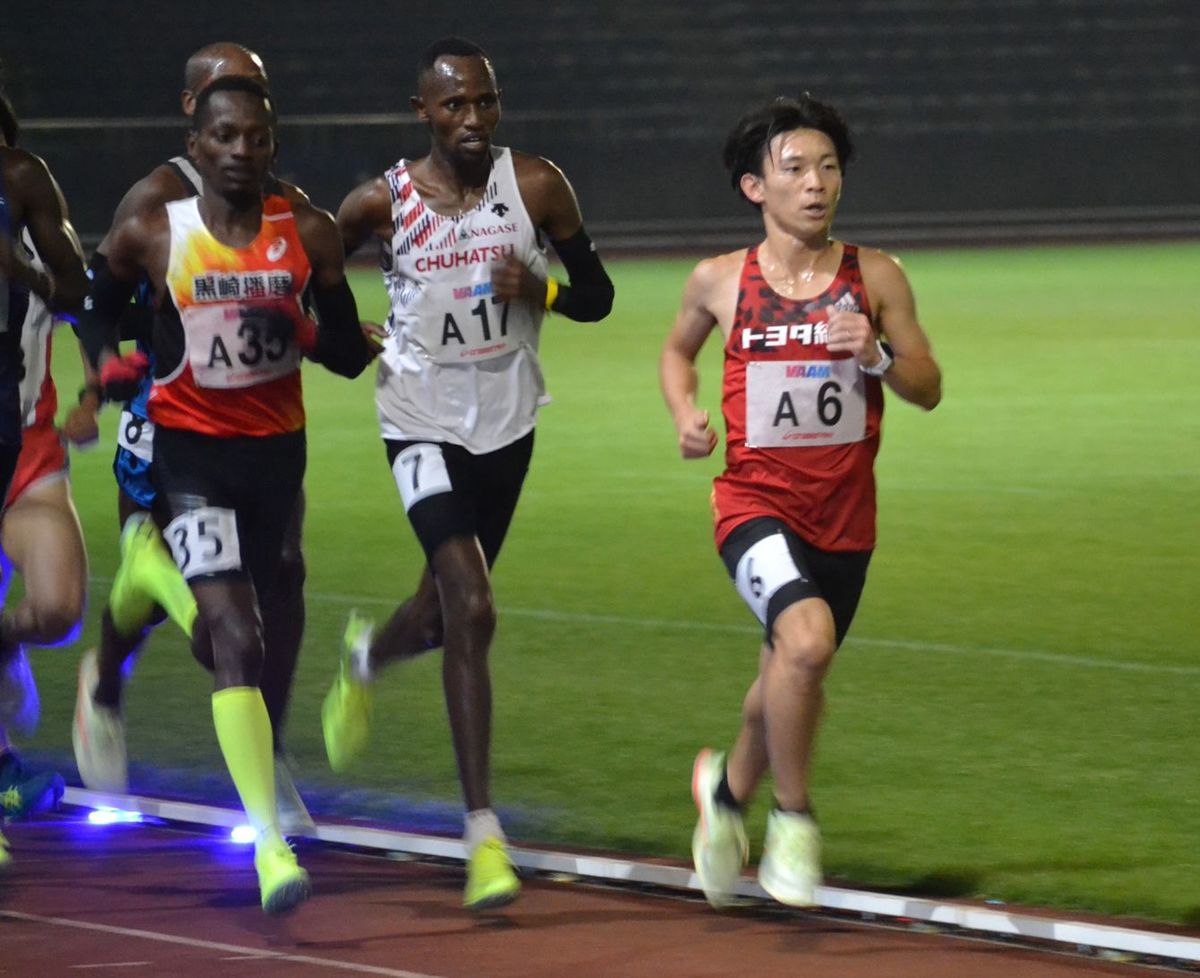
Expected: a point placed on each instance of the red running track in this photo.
(148, 900)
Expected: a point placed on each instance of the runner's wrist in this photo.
(91, 396)
(882, 364)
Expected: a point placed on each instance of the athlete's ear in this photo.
(191, 143)
(752, 187)
(187, 101)
(418, 106)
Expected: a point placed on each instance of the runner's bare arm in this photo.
(914, 374)
(365, 213)
(64, 284)
(678, 376)
(553, 207)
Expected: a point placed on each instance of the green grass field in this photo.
(1014, 714)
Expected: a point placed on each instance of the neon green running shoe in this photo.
(346, 712)
(491, 880)
(142, 555)
(5, 855)
(283, 883)
(24, 791)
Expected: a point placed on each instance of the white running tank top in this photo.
(35, 346)
(457, 366)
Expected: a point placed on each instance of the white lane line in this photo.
(112, 964)
(907, 645)
(245, 952)
(1032, 655)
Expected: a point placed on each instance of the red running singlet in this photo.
(802, 424)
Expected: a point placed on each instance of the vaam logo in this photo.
(470, 291)
(808, 370)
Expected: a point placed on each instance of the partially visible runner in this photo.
(41, 538)
(228, 270)
(458, 391)
(32, 209)
(98, 732)
(812, 330)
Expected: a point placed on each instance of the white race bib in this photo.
(420, 471)
(793, 403)
(205, 541)
(232, 346)
(136, 435)
(475, 329)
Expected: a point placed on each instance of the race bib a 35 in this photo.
(232, 346)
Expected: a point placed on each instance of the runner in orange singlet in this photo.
(228, 269)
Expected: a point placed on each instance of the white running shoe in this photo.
(98, 735)
(294, 818)
(719, 846)
(790, 869)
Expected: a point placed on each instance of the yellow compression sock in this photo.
(244, 733)
(148, 576)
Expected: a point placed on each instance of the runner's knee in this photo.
(57, 621)
(474, 612)
(237, 648)
(803, 656)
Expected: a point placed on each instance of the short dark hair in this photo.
(8, 121)
(749, 141)
(229, 83)
(454, 47)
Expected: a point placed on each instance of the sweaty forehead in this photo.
(454, 73)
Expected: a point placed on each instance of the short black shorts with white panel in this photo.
(226, 502)
(449, 492)
(773, 567)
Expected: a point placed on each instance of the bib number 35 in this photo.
(205, 541)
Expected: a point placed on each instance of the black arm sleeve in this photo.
(341, 346)
(589, 297)
(107, 299)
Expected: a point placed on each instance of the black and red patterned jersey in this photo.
(802, 423)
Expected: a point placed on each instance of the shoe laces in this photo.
(282, 849)
(792, 839)
(12, 799)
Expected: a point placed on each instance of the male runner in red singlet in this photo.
(52, 280)
(812, 329)
(228, 269)
(98, 732)
(459, 388)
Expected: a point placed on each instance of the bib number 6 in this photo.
(205, 541)
(829, 408)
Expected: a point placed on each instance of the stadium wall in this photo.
(976, 120)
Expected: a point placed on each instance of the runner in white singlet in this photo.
(458, 391)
